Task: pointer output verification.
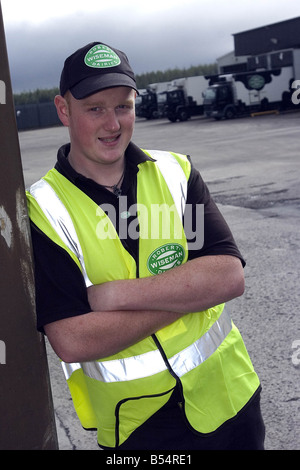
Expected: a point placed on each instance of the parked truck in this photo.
(238, 94)
(146, 102)
(183, 99)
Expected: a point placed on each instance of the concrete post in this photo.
(26, 409)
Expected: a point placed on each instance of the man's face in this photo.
(100, 128)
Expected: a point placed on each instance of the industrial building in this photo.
(267, 47)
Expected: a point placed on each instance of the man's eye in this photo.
(125, 106)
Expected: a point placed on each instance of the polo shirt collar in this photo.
(133, 154)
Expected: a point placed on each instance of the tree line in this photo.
(143, 80)
(171, 74)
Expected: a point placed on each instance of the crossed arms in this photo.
(127, 311)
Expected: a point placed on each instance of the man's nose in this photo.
(111, 121)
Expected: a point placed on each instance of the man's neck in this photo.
(107, 175)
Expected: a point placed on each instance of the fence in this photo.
(35, 116)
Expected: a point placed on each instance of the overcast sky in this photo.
(155, 34)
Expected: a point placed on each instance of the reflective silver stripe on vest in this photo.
(172, 173)
(148, 364)
(59, 218)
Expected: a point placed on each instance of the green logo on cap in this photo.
(101, 57)
(165, 257)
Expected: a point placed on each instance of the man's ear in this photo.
(62, 109)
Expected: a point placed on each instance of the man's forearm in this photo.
(195, 286)
(97, 335)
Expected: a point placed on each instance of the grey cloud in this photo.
(152, 42)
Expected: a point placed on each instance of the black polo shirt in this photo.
(60, 288)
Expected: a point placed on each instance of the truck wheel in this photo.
(229, 113)
(183, 115)
(154, 114)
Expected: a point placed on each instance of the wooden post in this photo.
(26, 410)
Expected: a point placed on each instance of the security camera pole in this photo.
(26, 409)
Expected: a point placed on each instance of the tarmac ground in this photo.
(252, 168)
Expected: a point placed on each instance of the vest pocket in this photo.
(134, 411)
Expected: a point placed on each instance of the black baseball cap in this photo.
(95, 67)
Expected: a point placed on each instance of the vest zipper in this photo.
(162, 352)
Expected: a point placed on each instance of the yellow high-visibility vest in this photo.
(203, 351)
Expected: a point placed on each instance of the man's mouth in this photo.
(109, 140)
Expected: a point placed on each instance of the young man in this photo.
(130, 300)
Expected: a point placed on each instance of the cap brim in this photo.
(92, 85)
